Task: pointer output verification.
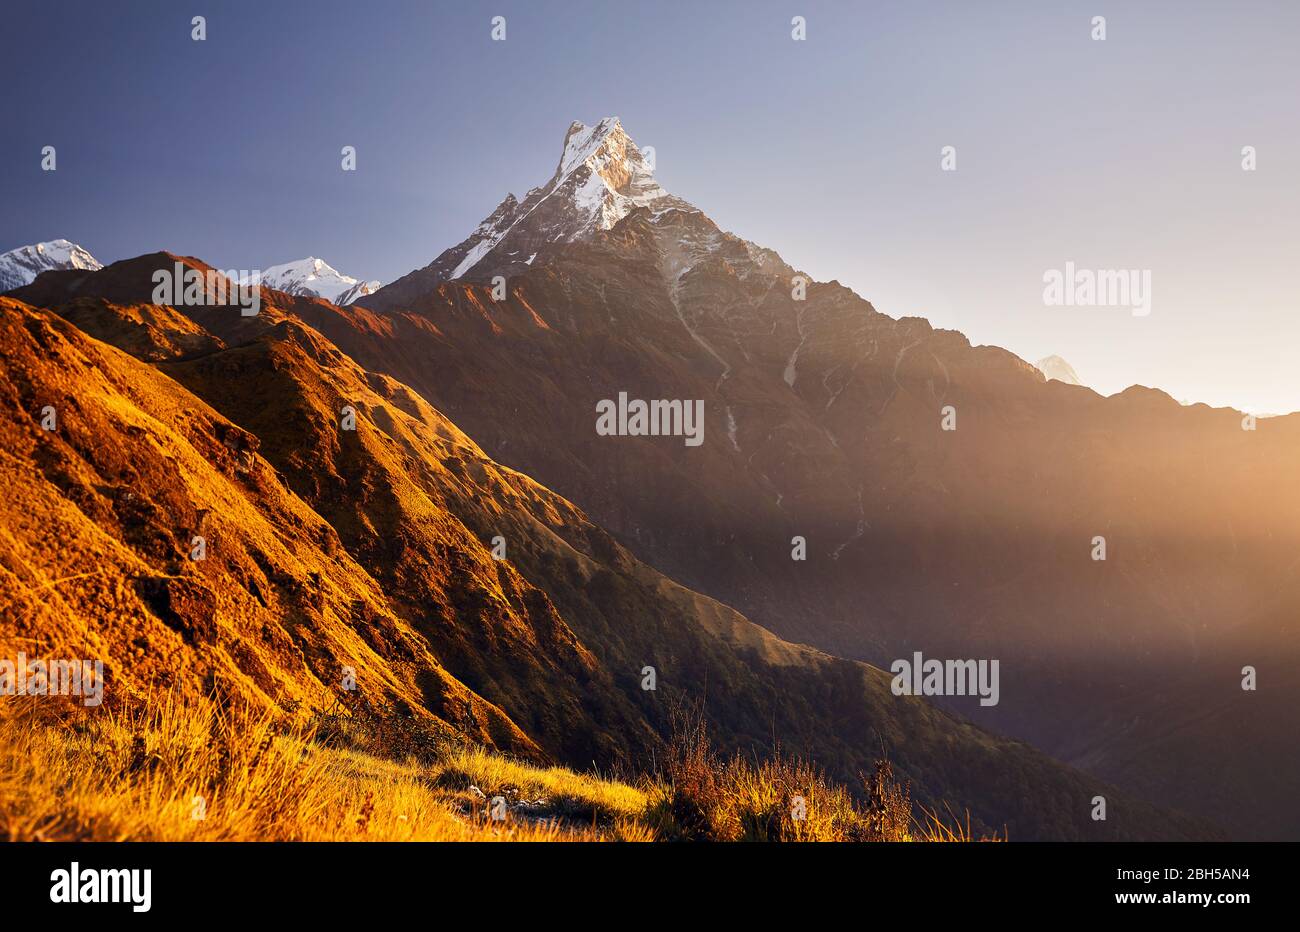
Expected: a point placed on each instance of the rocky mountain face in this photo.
(350, 526)
(951, 498)
(314, 278)
(20, 266)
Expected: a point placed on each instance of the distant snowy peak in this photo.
(20, 266)
(314, 278)
(1054, 367)
(359, 290)
(601, 177)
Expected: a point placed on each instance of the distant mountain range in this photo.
(310, 277)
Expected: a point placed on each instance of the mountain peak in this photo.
(20, 266)
(583, 142)
(313, 277)
(1054, 367)
(602, 176)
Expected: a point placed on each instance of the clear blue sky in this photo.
(1115, 154)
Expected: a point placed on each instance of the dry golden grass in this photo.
(195, 772)
(148, 775)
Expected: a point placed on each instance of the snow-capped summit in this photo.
(601, 177)
(1054, 367)
(612, 173)
(20, 266)
(313, 278)
(359, 290)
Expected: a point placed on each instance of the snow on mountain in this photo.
(601, 177)
(20, 266)
(1054, 367)
(359, 290)
(313, 278)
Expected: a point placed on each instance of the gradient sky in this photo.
(1115, 154)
